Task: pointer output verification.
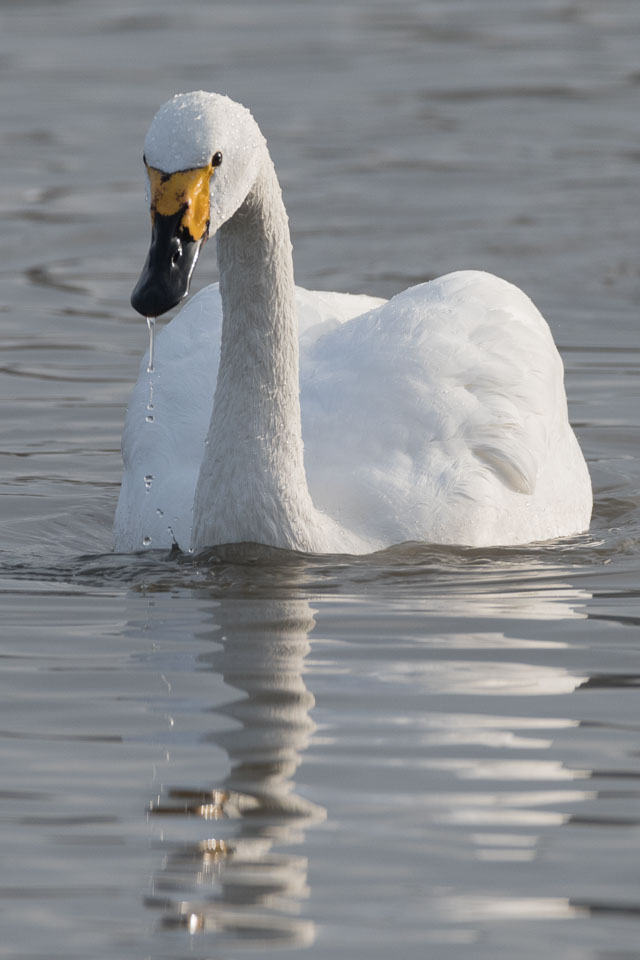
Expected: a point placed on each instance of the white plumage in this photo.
(437, 416)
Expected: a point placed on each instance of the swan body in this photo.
(437, 416)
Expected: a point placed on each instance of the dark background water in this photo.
(425, 752)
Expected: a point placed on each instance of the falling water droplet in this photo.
(151, 323)
(148, 480)
(150, 417)
(146, 541)
(160, 512)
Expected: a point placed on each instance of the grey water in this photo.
(427, 752)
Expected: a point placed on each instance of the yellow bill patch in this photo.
(170, 192)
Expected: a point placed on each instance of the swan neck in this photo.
(259, 332)
(252, 484)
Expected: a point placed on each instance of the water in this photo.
(151, 324)
(427, 752)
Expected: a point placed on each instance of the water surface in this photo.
(426, 752)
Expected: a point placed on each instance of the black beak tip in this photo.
(151, 298)
(166, 275)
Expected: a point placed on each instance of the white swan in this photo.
(437, 416)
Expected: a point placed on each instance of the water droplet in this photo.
(160, 512)
(148, 480)
(146, 541)
(151, 324)
(149, 418)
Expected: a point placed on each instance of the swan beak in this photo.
(179, 228)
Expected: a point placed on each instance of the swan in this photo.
(439, 415)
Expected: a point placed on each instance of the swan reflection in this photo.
(235, 880)
(451, 747)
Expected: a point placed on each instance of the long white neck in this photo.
(252, 484)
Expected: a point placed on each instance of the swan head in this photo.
(202, 155)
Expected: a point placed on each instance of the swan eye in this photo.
(216, 159)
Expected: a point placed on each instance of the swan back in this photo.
(442, 416)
